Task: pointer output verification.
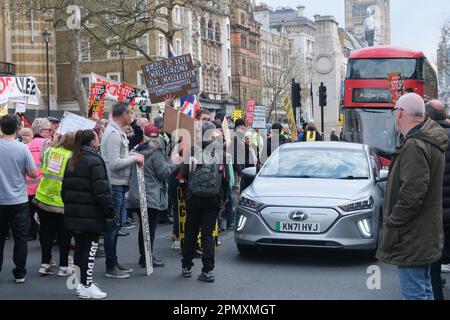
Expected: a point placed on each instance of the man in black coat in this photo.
(435, 110)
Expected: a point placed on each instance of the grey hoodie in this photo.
(157, 170)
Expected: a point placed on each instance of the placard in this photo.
(73, 123)
(174, 76)
(249, 113)
(259, 117)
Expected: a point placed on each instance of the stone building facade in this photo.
(245, 53)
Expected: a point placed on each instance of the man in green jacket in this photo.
(412, 233)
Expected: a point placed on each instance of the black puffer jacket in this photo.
(446, 189)
(87, 194)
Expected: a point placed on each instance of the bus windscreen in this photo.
(379, 68)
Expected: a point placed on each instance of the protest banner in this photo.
(145, 223)
(96, 101)
(114, 90)
(19, 89)
(250, 112)
(238, 114)
(174, 76)
(259, 117)
(127, 94)
(72, 123)
(396, 85)
(290, 117)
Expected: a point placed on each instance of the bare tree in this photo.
(111, 24)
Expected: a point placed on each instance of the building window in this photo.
(85, 50)
(177, 15)
(161, 46)
(228, 31)
(86, 84)
(140, 79)
(229, 57)
(244, 67)
(114, 76)
(218, 32)
(216, 56)
(142, 43)
(113, 51)
(178, 48)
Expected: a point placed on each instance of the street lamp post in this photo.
(122, 58)
(46, 36)
(239, 82)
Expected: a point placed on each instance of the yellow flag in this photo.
(290, 117)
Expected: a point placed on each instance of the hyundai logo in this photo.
(298, 216)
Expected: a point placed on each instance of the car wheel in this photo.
(245, 249)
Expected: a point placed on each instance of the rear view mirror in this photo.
(248, 176)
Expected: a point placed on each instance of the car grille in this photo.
(299, 243)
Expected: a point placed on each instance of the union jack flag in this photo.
(190, 106)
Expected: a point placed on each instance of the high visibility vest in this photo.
(311, 136)
(53, 168)
(37, 147)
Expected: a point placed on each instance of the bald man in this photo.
(412, 233)
(435, 110)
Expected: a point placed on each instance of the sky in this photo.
(415, 24)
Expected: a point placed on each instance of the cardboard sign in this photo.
(259, 117)
(249, 114)
(174, 120)
(396, 85)
(96, 101)
(174, 76)
(73, 123)
(19, 89)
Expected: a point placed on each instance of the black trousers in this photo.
(201, 213)
(436, 278)
(33, 230)
(51, 224)
(86, 246)
(16, 217)
(153, 218)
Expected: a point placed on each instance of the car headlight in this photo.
(249, 203)
(359, 205)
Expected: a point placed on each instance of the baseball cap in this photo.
(151, 131)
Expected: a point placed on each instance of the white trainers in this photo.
(91, 292)
(45, 270)
(176, 245)
(445, 268)
(79, 287)
(65, 271)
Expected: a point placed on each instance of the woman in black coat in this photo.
(88, 206)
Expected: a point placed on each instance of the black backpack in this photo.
(205, 181)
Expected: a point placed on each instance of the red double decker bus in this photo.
(367, 95)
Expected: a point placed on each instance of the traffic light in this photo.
(296, 94)
(144, 109)
(322, 95)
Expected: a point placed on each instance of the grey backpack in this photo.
(205, 181)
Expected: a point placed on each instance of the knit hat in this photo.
(40, 124)
(151, 131)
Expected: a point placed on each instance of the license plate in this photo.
(300, 227)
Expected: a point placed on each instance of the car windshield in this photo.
(317, 164)
(374, 127)
(379, 68)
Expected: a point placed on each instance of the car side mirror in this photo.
(383, 176)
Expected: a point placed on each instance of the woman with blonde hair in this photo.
(50, 205)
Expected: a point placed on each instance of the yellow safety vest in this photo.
(310, 136)
(53, 168)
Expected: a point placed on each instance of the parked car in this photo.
(314, 195)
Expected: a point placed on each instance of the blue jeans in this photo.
(111, 233)
(415, 283)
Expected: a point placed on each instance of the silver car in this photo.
(315, 195)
